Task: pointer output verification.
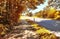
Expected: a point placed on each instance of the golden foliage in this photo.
(44, 33)
(2, 29)
(16, 7)
(51, 13)
(48, 36)
(11, 10)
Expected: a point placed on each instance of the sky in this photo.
(40, 7)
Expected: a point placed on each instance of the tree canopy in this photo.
(18, 6)
(13, 8)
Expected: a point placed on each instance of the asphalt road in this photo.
(52, 25)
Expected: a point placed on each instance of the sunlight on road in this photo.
(36, 19)
(24, 17)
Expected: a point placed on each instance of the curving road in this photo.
(52, 25)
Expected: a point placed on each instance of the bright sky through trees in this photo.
(40, 7)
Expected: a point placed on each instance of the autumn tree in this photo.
(13, 8)
(10, 10)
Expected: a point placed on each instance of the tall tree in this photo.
(13, 8)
